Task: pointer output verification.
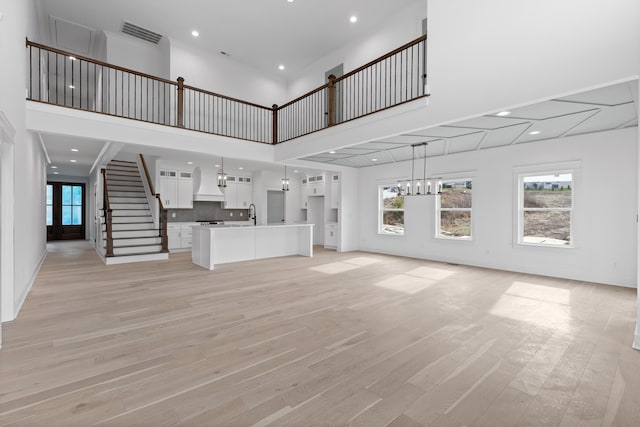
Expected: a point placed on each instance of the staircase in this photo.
(134, 234)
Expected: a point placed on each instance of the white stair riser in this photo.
(133, 219)
(127, 227)
(136, 258)
(124, 182)
(136, 200)
(137, 194)
(131, 172)
(125, 187)
(138, 206)
(132, 233)
(137, 250)
(122, 169)
(148, 241)
(131, 212)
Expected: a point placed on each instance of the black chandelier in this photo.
(427, 186)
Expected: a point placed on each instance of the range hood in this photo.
(205, 186)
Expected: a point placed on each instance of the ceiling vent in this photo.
(141, 33)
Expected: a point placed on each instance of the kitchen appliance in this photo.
(205, 186)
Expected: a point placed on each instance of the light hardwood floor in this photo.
(338, 339)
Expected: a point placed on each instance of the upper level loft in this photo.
(64, 79)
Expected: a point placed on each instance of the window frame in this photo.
(520, 174)
(439, 210)
(382, 210)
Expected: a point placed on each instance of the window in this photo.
(453, 209)
(49, 204)
(391, 210)
(546, 208)
(71, 205)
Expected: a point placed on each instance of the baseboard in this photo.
(21, 299)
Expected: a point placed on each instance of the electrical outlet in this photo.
(173, 214)
(240, 213)
(230, 213)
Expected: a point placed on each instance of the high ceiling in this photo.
(607, 108)
(259, 33)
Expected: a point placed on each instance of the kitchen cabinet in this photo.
(169, 188)
(244, 192)
(185, 190)
(316, 185)
(335, 191)
(239, 192)
(176, 189)
(331, 235)
(180, 235)
(304, 194)
(173, 236)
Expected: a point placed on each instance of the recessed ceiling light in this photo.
(290, 1)
(503, 113)
(296, 171)
(280, 67)
(54, 167)
(73, 161)
(72, 87)
(217, 166)
(353, 19)
(534, 132)
(374, 160)
(240, 168)
(332, 152)
(189, 163)
(194, 33)
(72, 58)
(56, 173)
(75, 150)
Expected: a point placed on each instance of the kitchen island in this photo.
(215, 244)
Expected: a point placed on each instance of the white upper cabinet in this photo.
(176, 189)
(335, 191)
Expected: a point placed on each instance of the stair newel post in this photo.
(163, 234)
(332, 100)
(109, 232)
(180, 117)
(274, 125)
(108, 213)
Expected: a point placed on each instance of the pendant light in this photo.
(285, 180)
(222, 177)
(425, 185)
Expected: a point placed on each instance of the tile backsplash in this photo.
(203, 211)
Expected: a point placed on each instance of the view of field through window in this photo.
(455, 209)
(547, 201)
(392, 207)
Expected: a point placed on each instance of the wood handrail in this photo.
(98, 62)
(107, 214)
(146, 173)
(357, 70)
(162, 212)
(229, 98)
(383, 57)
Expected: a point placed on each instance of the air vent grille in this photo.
(141, 33)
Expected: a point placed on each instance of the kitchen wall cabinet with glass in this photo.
(176, 189)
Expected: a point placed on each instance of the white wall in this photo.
(605, 207)
(29, 246)
(269, 180)
(399, 28)
(497, 55)
(223, 75)
(138, 55)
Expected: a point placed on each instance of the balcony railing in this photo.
(65, 79)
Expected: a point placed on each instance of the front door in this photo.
(65, 211)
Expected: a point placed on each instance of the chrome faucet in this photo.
(252, 213)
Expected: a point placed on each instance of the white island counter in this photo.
(213, 244)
